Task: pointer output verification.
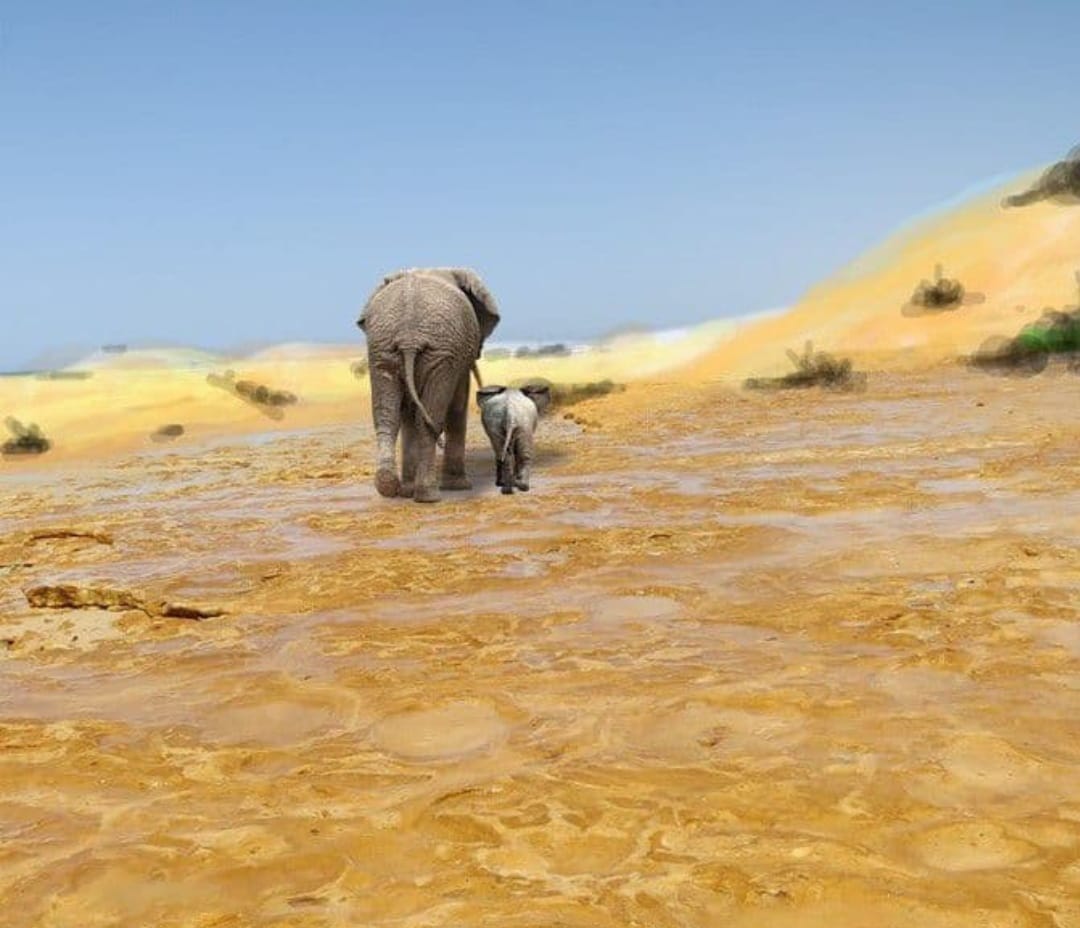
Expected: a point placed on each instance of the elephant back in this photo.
(433, 303)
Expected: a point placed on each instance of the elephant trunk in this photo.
(409, 357)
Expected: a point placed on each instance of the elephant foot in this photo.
(426, 495)
(455, 482)
(522, 485)
(387, 483)
(507, 489)
(408, 488)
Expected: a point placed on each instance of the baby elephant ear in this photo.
(539, 393)
(486, 393)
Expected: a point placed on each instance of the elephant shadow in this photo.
(480, 467)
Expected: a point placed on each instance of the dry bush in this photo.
(812, 369)
(1059, 184)
(940, 293)
(26, 439)
(260, 395)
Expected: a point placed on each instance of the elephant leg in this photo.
(439, 385)
(453, 466)
(386, 397)
(496, 446)
(425, 489)
(508, 471)
(408, 451)
(523, 455)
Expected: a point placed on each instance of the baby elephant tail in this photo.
(506, 444)
(506, 477)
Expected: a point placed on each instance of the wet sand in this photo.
(797, 659)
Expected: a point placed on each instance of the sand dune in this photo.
(128, 396)
(1022, 260)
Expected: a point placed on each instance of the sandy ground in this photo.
(798, 659)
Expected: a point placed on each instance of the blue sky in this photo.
(215, 173)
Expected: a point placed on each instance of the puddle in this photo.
(629, 610)
(505, 539)
(444, 734)
(282, 722)
(949, 486)
(600, 517)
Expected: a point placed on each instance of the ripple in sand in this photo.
(454, 730)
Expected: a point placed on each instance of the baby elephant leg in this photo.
(523, 453)
(506, 472)
(497, 446)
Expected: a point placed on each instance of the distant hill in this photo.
(1013, 263)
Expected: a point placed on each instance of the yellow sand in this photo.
(1023, 260)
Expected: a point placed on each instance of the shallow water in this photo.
(778, 674)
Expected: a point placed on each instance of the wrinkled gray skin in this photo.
(425, 329)
(509, 417)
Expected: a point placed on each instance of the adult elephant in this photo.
(425, 329)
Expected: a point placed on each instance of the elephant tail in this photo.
(409, 356)
(506, 444)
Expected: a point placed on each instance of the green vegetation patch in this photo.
(1029, 352)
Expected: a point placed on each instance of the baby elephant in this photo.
(509, 417)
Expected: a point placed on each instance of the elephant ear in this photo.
(539, 393)
(388, 279)
(483, 303)
(486, 393)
